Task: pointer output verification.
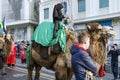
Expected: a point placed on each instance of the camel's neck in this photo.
(8, 46)
(69, 44)
(98, 52)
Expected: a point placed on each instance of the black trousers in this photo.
(56, 26)
(114, 67)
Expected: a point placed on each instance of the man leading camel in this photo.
(81, 61)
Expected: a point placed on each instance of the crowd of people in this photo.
(18, 51)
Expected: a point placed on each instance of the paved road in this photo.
(19, 72)
(108, 76)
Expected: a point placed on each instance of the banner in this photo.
(4, 25)
(1, 25)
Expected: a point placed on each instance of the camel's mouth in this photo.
(108, 30)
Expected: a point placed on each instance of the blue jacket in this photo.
(81, 61)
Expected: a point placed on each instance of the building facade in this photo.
(105, 12)
(22, 16)
(82, 12)
(46, 9)
(0, 10)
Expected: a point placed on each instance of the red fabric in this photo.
(78, 45)
(101, 71)
(12, 57)
(22, 54)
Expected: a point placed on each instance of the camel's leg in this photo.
(37, 72)
(69, 74)
(61, 74)
(3, 72)
(2, 66)
(30, 69)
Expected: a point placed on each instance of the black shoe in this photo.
(9, 65)
(13, 65)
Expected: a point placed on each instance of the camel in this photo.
(100, 36)
(61, 62)
(99, 39)
(6, 41)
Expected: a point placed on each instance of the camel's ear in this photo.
(100, 27)
(88, 27)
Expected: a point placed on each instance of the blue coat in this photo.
(81, 61)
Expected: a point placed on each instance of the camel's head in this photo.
(8, 37)
(71, 35)
(2, 42)
(94, 29)
(5, 40)
(107, 33)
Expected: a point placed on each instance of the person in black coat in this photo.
(114, 52)
(57, 16)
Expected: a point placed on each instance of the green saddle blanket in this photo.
(44, 35)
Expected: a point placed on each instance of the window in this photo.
(81, 5)
(103, 3)
(46, 13)
(106, 23)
